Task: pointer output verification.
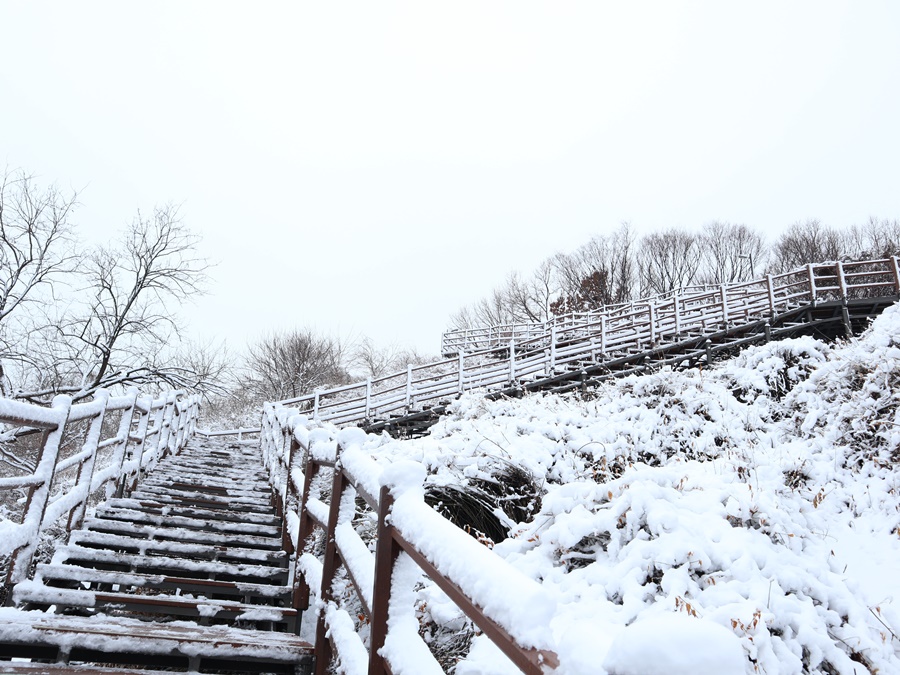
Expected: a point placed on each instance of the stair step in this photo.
(201, 569)
(108, 640)
(181, 522)
(54, 574)
(36, 593)
(145, 532)
(157, 507)
(200, 499)
(119, 542)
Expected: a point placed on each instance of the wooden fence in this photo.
(102, 444)
(328, 488)
(500, 357)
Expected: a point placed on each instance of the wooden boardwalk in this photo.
(188, 572)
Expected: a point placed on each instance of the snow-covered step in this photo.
(213, 525)
(176, 644)
(201, 499)
(57, 575)
(126, 544)
(238, 480)
(160, 507)
(177, 487)
(29, 593)
(202, 569)
(142, 532)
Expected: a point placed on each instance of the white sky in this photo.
(368, 168)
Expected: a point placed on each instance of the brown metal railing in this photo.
(322, 484)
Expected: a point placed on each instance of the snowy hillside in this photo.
(742, 519)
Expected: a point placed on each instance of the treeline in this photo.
(620, 266)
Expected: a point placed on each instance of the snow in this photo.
(743, 518)
(675, 644)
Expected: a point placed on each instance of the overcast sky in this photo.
(368, 168)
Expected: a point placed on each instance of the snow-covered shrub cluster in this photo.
(752, 508)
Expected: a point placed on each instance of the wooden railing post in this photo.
(812, 284)
(652, 311)
(677, 316)
(316, 405)
(386, 553)
(460, 370)
(842, 280)
(551, 355)
(36, 500)
(771, 290)
(895, 268)
(512, 361)
(724, 290)
(124, 435)
(408, 385)
(603, 335)
(85, 473)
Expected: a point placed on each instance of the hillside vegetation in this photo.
(747, 514)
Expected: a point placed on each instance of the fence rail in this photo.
(321, 484)
(107, 452)
(499, 357)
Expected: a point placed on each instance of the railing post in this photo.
(603, 335)
(408, 385)
(677, 316)
(316, 405)
(512, 361)
(842, 280)
(124, 436)
(36, 501)
(552, 354)
(386, 553)
(812, 284)
(133, 471)
(368, 397)
(771, 289)
(85, 474)
(724, 290)
(652, 310)
(460, 368)
(895, 267)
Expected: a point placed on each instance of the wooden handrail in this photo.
(48, 499)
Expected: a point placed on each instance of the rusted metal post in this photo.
(386, 554)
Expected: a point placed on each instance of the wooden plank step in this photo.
(181, 522)
(56, 574)
(102, 638)
(159, 507)
(219, 480)
(35, 593)
(190, 491)
(32, 668)
(143, 532)
(126, 544)
(200, 569)
(235, 501)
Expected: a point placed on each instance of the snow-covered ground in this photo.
(738, 519)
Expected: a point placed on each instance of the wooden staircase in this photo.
(187, 573)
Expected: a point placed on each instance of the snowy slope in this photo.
(741, 519)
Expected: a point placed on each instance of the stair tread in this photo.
(167, 508)
(99, 556)
(149, 532)
(255, 529)
(116, 541)
(136, 636)
(36, 592)
(63, 572)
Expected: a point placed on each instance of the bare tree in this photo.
(36, 250)
(874, 239)
(599, 273)
(119, 333)
(369, 360)
(730, 252)
(287, 365)
(668, 260)
(804, 243)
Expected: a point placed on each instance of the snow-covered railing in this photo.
(240, 432)
(809, 283)
(320, 482)
(103, 444)
(511, 359)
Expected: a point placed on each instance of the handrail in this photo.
(299, 456)
(511, 358)
(133, 449)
